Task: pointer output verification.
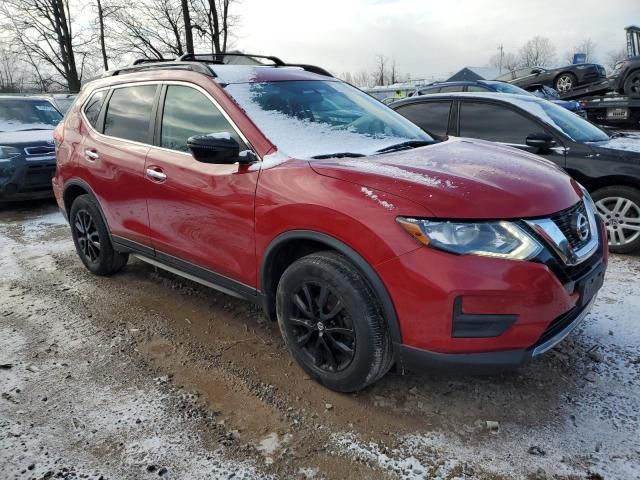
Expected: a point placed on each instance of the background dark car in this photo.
(608, 166)
(27, 152)
(496, 86)
(625, 77)
(563, 79)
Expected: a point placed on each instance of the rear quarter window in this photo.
(93, 106)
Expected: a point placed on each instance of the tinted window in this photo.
(93, 106)
(451, 88)
(495, 123)
(17, 114)
(188, 112)
(476, 88)
(430, 116)
(129, 113)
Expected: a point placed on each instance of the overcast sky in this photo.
(426, 37)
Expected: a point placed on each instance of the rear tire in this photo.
(632, 84)
(565, 82)
(92, 239)
(619, 208)
(332, 322)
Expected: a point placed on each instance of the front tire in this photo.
(332, 323)
(619, 208)
(632, 84)
(92, 240)
(566, 82)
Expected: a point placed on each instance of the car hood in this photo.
(624, 146)
(26, 136)
(463, 178)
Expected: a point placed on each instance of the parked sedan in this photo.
(608, 166)
(563, 79)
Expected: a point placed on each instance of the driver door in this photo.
(501, 124)
(201, 214)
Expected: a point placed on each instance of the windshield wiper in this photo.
(32, 129)
(338, 155)
(404, 146)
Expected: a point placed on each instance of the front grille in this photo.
(42, 150)
(564, 220)
(39, 176)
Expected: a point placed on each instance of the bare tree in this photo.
(188, 29)
(215, 22)
(44, 29)
(362, 78)
(615, 56)
(150, 28)
(105, 10)
(505, 62)
(588, 47)
(539, 51)
(393, 74)
(380, 73)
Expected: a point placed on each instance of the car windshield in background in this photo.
(21, 114)
(311, 118)
(574, 126)
(502, 87)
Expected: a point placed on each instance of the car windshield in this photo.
(574, 126)
(502, 87)
(19, 114)
(310, 118)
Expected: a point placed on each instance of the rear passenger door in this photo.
(432, 116)
(201, 214)
(501, 124)
(113, 156)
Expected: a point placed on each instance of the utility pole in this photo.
(501, 48)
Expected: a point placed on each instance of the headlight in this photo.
(490, 239)
(7, 153)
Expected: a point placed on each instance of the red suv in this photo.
(368, 241)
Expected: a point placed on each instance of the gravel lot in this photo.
(144, 375)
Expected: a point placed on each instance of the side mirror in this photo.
(536, 71)
(218, 147)
(542, 142)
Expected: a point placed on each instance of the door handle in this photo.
(157, 174)
(91, 155)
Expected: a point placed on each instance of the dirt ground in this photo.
(144, 375)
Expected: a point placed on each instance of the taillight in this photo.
(58, 134)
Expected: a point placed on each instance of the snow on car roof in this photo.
(259, 73)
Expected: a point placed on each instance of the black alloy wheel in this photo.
(632, 84)
(91, 238)
(87, 235)
(322, 328)
(332, 322)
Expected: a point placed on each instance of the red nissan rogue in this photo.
(370, 243)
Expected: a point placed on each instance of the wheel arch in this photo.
(75, 187)
(611, 181)
(289, 246)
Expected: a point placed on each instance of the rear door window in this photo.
(93, 107)
(129, 113)
(188, 112)
(433, 117)
(495, 123)
(452, 88)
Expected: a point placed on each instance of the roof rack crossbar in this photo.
(195, 62)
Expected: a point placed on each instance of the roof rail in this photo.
(162, 64)
(219, 58)
(195, 62)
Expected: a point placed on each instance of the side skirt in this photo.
(188, 270)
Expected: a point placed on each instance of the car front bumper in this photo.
(25, 180)
(487, 312)
(411, 358)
